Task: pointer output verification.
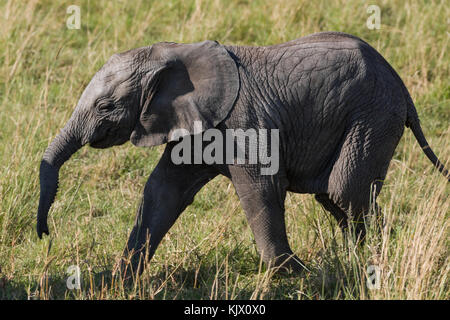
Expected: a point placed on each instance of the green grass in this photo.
(210, 252)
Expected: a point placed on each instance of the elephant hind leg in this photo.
(339, 214)
(357, 176)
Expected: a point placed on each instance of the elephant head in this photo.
(143, 95)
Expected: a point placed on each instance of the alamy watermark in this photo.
(374, 20)
(373, 277)
(74, 279)
(232, 310)
(74, 20)
(234, 146)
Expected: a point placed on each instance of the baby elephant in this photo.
(322, 114)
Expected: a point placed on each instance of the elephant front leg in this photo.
(262, 198)
(168, 191)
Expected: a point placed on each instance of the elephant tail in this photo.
(413, 123)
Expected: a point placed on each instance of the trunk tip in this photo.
(42, 228)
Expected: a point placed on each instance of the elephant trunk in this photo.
(66, 143)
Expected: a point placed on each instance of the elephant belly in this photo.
(311, 160)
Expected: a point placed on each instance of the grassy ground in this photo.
(210, 252)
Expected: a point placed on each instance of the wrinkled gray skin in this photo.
(340, 108)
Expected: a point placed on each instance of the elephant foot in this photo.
(129, 269)
(287, 265)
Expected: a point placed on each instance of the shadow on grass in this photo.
(236, 274)
(12, 290)
(202, 282)
(207, 282)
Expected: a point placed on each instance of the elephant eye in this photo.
(108, 106)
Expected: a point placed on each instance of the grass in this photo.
(210, 252)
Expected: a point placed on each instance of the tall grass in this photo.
(209, 253)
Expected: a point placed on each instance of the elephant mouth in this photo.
(111, 137)
(99, 144)
(103, 140)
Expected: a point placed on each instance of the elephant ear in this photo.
(189, 84)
